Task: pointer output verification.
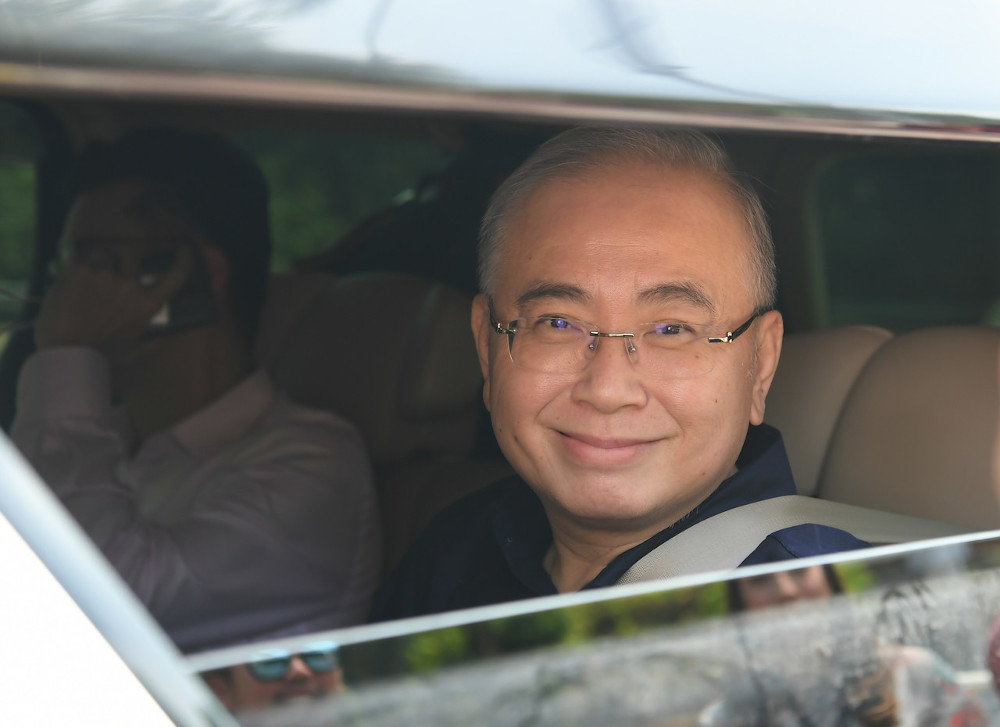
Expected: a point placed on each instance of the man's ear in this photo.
(770, 332)
(482, 333)
(217, 268)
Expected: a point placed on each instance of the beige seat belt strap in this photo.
(723, 541)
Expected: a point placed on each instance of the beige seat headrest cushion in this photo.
(391, 352)
(815, 373)
(920, 430)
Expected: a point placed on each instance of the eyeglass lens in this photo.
(274, 665)
(562, 346)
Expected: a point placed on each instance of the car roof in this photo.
(886, 69)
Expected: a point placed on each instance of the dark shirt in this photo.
(489, 546)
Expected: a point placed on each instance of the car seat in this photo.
(816, 372)
(920, 430)
(393, 354)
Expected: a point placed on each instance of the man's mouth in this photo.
(299, 692)
(599, 450)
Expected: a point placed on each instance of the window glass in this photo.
(19, 148)
(911, 239)
(324, 186)
(902, 636)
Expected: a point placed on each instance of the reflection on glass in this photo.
(276, 677)
(774, 589)
(867, 673)
(895, 638)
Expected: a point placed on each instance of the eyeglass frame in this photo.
(327, 649)
(728, 338)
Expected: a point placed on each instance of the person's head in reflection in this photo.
(774, 589)
(277, 677)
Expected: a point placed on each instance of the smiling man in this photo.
(628, 338)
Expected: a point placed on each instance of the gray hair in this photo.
(578, 151)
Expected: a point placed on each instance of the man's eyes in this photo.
(552, 324)
(559, 324)
(672, 329)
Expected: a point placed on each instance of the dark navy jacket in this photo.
(488, 547)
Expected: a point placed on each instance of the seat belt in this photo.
(723, 541)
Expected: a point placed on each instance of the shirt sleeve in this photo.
(285, 533)
(280, 531)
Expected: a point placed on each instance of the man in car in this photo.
(627, 335)
(232, 512)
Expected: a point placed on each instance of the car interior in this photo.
(887, 393)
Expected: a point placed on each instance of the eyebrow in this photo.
(682, 292)
(558, 291)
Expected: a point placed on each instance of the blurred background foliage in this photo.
(429, 651)
(17, 234)
(432, 650)
(323, 186)
(17, 218)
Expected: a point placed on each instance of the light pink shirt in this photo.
(254, 517)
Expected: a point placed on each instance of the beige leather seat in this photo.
(394, 354)
(919, 433)
(815, 374)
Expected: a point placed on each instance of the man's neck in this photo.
(578, 555)
(185, 378)
(581, 550)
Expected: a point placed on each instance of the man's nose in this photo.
(610, 381)
(297, 670)
(786, 588)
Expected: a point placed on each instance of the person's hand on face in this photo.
(99, 299)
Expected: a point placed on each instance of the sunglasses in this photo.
(272, 664)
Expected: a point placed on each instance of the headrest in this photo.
(815, 374)
(390, 352)
(920, 431)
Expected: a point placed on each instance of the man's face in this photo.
(118, 229)
(110, 227)
(611, 447)
(242, 691)
(773, 589)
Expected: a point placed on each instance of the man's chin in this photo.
(614, 515)
(625, 508)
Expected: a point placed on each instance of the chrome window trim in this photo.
(16, 79)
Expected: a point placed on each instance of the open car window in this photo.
(383, 127)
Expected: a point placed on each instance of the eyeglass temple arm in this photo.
(733, 335)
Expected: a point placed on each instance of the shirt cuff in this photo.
(64, 381)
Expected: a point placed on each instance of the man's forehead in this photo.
(120, 213)
(641, 233)
(681, 292)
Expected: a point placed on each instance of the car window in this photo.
(901, 637)
(911, 239)
(19, 150)
(323, 186)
